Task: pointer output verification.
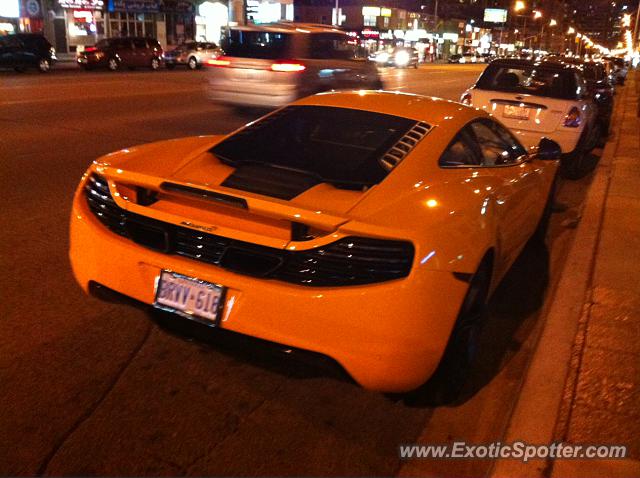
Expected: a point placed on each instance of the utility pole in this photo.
(435, 16)
(635, 27)
(337, 23)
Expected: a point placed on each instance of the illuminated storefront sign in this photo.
(385, 12)
(10, 8)
(141, 6)
(82, 4)
(371, 11)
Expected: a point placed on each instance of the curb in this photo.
(535, 415)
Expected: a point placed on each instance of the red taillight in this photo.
(572, 119)
(220, 61)
(90, 49)
(288, 67)
(466, 98)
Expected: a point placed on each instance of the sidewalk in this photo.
(583, 385)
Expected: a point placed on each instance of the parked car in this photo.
(367, 226)
(191, 54)
(538, 99)
(271, 65)
(21, 51)
(115, 53)
(470, 58)
(620, 68)
(601, 88)
(400, 57)
(455, 58)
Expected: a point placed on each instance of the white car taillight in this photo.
(288, 66)
(466, 98)
(573, 118)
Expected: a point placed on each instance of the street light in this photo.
(537, 14)
(571, 31)
(553, 23)
(518, 7)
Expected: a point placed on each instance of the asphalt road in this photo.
(95, 387)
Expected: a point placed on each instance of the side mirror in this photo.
(547, 150)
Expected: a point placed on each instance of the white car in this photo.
(537, 99)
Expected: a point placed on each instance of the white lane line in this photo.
(102, 97)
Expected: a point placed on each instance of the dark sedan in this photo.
(130, 52)
(26, 50)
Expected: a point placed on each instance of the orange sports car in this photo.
(367, 226)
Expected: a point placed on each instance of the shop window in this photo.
(370, 20)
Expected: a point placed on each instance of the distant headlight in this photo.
(402, 58)
(382, 57)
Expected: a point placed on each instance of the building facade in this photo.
(21, 16)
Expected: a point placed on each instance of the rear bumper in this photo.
(566, 138)
(273, 98)
(388, 336)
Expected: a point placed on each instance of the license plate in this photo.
(518, 112)
(192, 298)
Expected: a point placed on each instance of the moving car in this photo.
(366, 226)
(538, 98)
(115, 53)
(271, 65)
(191, 54)
(400, 57)
(21, 51)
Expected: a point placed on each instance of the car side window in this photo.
(140, 43)
(515, 147)
(495, 150)
(123, 44)
(461, 152)
(331, 46)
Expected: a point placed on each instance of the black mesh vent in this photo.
(349, 261)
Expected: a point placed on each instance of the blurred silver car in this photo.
(192, 54)
(272, 65)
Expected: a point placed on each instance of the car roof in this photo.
(521, 62)
(290, 27)
(431, 110)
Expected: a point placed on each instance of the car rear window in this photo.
(340, 146)
(593, 72)
(256, 44)
(530, 79)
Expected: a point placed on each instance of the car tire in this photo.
(44, 65)
(605, 127)
(453, 373)
(170, 66)
(155, 64)
(573, 165)
(192, 63)
(113, 64)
